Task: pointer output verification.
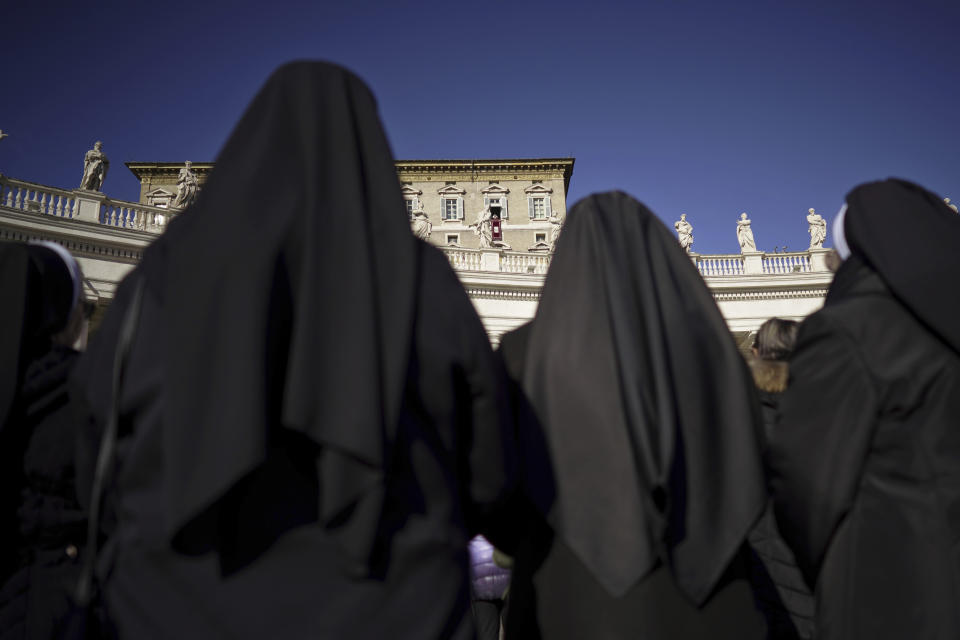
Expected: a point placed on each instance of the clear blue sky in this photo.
(703, 107)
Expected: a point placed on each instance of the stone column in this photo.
(818, 259)
(490, 260)
(752, 262)
(88, 205)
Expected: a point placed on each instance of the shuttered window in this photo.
(538, 207)
(497, 201)
(452, 208)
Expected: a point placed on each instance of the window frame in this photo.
(535, 192)
(447, 193)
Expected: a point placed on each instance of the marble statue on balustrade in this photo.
(946, 201)
(420, 223)
(483, 228)
(684, 232)
(817, 228)
(556, 223)
(187, 187)
(95, 165)
(745, 234)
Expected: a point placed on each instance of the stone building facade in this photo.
(108, 236)
(158, 180)
(529, 195)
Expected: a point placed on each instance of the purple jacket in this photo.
(489, 581)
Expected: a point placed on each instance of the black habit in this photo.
(311, 417)
(651, 474)
(866, 461)
(42, 524)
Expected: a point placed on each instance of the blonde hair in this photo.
(776, 338)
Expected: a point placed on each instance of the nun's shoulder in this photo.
(442, 301)
(437, 277)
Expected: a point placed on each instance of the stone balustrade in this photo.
(144, 217)
(719, 265)
(35, 198)
(497, 260)
(795, 262)
(78, 204)
(754, 263)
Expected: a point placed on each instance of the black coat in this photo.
(866, 465)
(311, 415)
(778, 584)
(51, 523)
(449, 471)
(637, 430)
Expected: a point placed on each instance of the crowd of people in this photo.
(272, 435)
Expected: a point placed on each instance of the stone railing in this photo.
(79, 204)
(524, 262)
(497, 260)
(759, 263)
(798, 262)
(719, 265)
(35, 198)
(129, 215)
(463, 259)
(747, 264)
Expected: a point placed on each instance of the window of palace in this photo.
(160, 198)
(411, 198)
(453, 239)
(538, 201)
(451, 202)
(496, 196)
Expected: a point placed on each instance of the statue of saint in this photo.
(745, 234)
(556, 223)
(95, 165)
(187, 187)
(817, 228)
(420, 223)
(684, 232)
(482, 228)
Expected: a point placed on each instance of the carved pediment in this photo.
(537, 189)
(159, 197)
(494, 191)
(452, 190)
(410, 192)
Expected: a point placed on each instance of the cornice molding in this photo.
(408, 170)
(165, 170)
(497, 293)
(81, 248)
(777, 294)
(81, 238)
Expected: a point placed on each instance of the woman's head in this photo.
(775, 339)
(908, 236)
(57, 294)
(41, 286)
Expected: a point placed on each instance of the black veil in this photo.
(39, 293)
(909, 236)
(287, 296)
(647, 406)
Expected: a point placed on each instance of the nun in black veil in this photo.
(42, 524)
(640, 458)
(865, 464)
(311, 417)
